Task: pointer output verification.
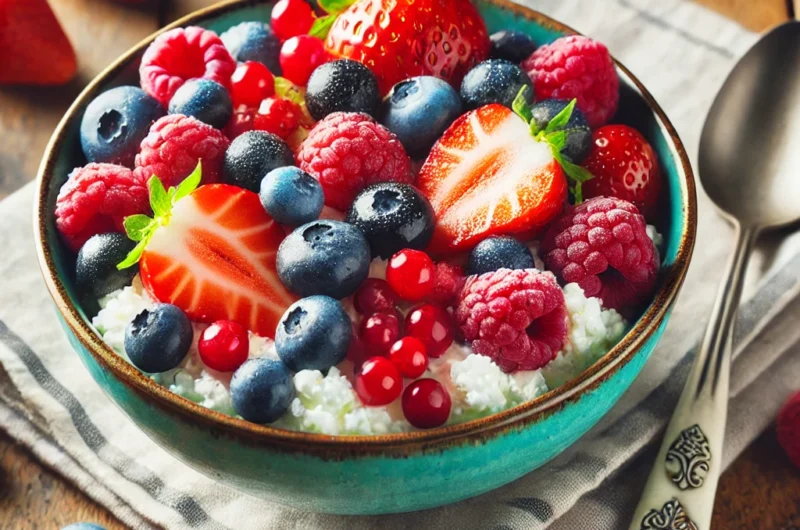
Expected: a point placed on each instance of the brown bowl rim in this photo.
(338, 446)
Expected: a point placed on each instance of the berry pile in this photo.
(265, 179)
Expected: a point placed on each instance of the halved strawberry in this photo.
(212, 253)
(489, 175)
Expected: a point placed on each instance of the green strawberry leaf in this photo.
(134, 255)
(141, 228)
(557, 140)
(561, 119)
(189, 184)
(335, 7)
(520, 106)
(137, 226)
(159, 200)
(576, 174)
(322, 26)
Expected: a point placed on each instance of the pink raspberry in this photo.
(181, 54)
(518, 318)
(576, 67)
(174, 145)
(449, 281)
(95, 199)
(347, 151)
(603, 246)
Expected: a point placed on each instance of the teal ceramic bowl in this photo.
(391, 473)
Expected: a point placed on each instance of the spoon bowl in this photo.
(749, 161)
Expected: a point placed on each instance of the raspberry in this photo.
(95, 199)
(518, 318)
(181, 54)
(348, 151)
(602, 245)
(174, 145)
(576, 67)
(449, 281)
(789, 428)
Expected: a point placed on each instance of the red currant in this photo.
(409, 355)
(378, 382)
(426, 404)
(241, 121)
(433, 326)
(251, 82)
(412, 274)
(373, 296)
(380, 330)
(278, 116)
(290, 18)
(224, 345)
(300, 56)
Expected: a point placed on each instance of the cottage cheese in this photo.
(328, 404)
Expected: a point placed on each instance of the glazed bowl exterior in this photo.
(370, 474)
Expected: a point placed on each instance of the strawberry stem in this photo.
(141, 227)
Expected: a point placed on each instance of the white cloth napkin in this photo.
(682, 52)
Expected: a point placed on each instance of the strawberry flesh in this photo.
(486, 176)
(215, 259)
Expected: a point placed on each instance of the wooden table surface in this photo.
(761, 491)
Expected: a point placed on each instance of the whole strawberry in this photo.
(624, 166)
(35, 49)
(398, 39)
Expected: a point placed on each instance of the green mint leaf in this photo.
(189, 184)
(322, 26)
(159, 200)
(521, 108)
(137, 226)
(561, 119)
(335, 6)
(134, 255)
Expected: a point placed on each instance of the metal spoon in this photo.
(750, 167)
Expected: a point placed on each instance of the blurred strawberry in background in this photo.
(35, 49)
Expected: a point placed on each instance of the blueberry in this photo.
(251, 156)
(158, 339)
(418, 111)
(342, 86)
(83, 526)
(499, 252)
(96, 267)
(261, 390)
(494, 81)
(392, 216)
(116, 122)
(254, 41)
(313, 334)
(579, 135)
(513, 46)
(204, 99)
(291, 196)
(324, 257)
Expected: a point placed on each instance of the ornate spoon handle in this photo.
(679, 494)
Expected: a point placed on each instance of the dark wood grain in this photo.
(761, 491)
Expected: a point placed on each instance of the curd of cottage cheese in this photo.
(328, 403)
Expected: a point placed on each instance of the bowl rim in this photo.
(400, 443)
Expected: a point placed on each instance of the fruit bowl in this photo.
(393, 472)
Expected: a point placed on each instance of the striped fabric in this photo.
(682, 52)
